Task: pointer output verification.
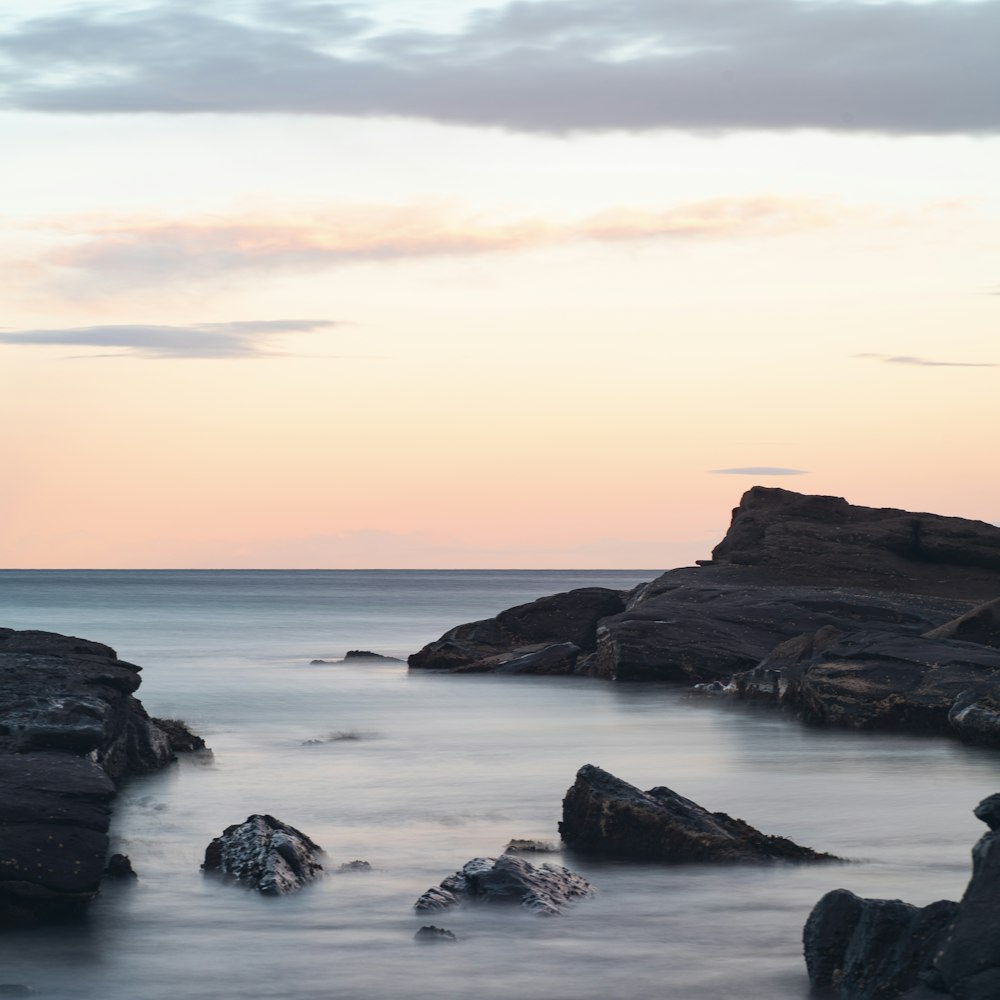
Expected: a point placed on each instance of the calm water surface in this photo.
(435, 770)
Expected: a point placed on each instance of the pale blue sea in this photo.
(440, 769)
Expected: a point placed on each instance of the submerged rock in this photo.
(265, 854)
(543, 889)
(517, 846)
(876, 949)
(429, 934)
(120, 866)
(607, 816)
(354, 866)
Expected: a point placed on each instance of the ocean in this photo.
(418, 773)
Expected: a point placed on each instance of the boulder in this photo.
(980, 625)
(264, 854)
(120, 866)
(872, 949)
(429, 934)
(519, 846)
(876, 949)
(543, 889)
(606, 816)
(526, 633)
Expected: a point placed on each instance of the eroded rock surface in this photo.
(607, 816)
(543, 889)
(265, 854)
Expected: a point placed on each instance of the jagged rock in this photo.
(429, 934)
(975, 715)
(560, 620)
(70, 727)
(555, 658)
(265, 854)
(120, 866)
(607, 816)
(543, 889)
(872, 949)
(875, 948)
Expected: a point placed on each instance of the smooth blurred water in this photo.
(438, 769)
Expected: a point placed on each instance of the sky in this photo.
(542, 283)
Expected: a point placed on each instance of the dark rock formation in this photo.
(975, 715)
(70, 728)
(354, 866)
(980, 625)
(429, 934)
(543, 889)
(872, 949)
(883, 949)
(825, 540)
(120, 866)
(180, 738)
(360, 654)
(265, 854)
(55, 809)
(607, 816)
(525, 633)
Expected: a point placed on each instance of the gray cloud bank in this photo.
(544, 65)
(205, 340)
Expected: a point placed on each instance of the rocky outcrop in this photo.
(606, 816)
(264, 854)
(545, 636)
(429, 934)
(543, 889)
(70, 728)
(796, 538)
(876, 949)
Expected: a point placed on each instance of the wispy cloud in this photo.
(760, 470)
(246, 339)
(141, 252)
(544, 65)
(908, 359)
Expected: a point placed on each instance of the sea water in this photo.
(416, 773)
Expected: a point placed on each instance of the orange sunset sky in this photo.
(545, 283)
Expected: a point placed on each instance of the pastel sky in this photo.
(543, 283)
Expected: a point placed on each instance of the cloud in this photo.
(246, 339)
(907, 359)
(760, 470)
(143, 252)
(538, 66)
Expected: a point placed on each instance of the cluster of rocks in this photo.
(70, 731)
(848, 615)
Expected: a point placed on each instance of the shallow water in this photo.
(439, 769)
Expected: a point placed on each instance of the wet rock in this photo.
(544, 889)
(606, 816)
(364, 654)
(120, 866)
(180, 737)
(429, 934)
(872, 949)
(265, 854)
(354, 866)
(975, 715)
(562, 620)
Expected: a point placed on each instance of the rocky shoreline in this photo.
(846, 615)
